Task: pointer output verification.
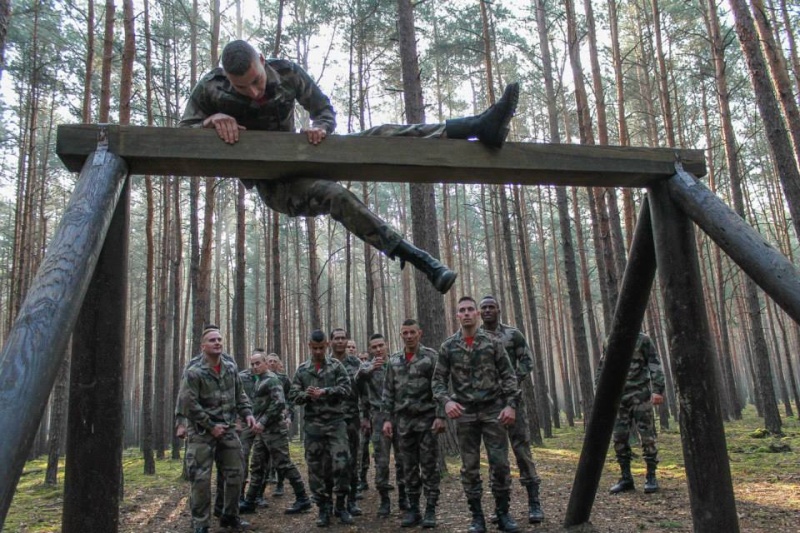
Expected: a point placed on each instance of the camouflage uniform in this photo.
(269, 405)
(180, 420)
(246, 435)
(482, 381)
(408, 398)
(324, 427)
(288, 83)
(521, 361)
(645, 378)
(208, 399)
(352, 418)
(372, 382)
(286, 384)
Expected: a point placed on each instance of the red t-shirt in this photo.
(218, 368)
(409, 357)
(469, 341)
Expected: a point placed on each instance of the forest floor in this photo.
(766, 486)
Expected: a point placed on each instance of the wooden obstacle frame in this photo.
(81, 288)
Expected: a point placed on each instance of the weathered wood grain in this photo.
(765, 265)
(705, 454)
(37, 342)
(269, 155)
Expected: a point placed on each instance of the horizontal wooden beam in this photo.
(270, 155)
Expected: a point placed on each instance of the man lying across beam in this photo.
(251, 92)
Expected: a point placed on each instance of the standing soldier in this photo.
(483, 403)
(408, 399)
(371, 379)
(351, 413)
(644, 388)
(275, 365)
(521, 361)
(269, 409)
(246, 434)
(320, 386)
(363, 454)
(210, 396)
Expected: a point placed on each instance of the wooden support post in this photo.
(93, 471)
(37, 342)
(702, 433)
(631, 305)
(765, 265)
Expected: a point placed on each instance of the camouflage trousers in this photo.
(353, 445)
(310, 197)
(419, 453)
(635, 410)
(275, 441)
(246, 437)
(328, 459)
(481, 423)
(201, 453)
(363, 456)
(382, 449)
(519, 436)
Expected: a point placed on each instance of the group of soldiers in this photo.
(401, 401)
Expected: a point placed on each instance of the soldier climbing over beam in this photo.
(251, 92)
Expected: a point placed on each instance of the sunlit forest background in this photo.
(723, 77)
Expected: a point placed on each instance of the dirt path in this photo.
(765, 506)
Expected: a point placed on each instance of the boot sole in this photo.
(512, 91)
(446, 283)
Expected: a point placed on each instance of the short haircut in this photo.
(467, 299)
(208, 329)
(376, 336)
(237, 56)
(259, 350)
(273, 354)
(490, 297)
(334, 330)
(317, 336)
(410, 322)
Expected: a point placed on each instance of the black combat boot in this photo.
(247, 506)
(429, 520)
(625, 482)
(301, 500)
(535, 513)
(478, 524)
(341, 511)
(324, 518)
(491, 126)
(234, 523)
(278, 492)
(402, 499)
(441, 277)
(352, 505)
(412, 516)
(385, 507)
(650, 481)
(504, 520)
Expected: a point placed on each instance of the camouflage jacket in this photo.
(208, 399)
(407, 388)
(287, 83)
(350, 406)
(478, 375)
(369, 383)
(286, 383)
(269, 402)
(249, 382)
(180, 418)
(645, 375)
(332, 376)
(516, 348)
